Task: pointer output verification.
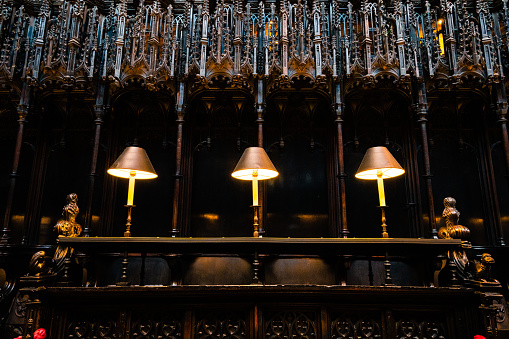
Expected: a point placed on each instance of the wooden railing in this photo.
(322, 255)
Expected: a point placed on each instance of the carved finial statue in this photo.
(450, 213)
(39, 264)
(451, 216)
(482, 269)
(68, 227)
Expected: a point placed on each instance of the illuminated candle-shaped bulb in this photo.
(381, 192)
(130, 192)
(255, 188)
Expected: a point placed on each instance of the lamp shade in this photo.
(377, 163)
(133, 159)
(254, 159)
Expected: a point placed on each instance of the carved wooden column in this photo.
(366, 41)
(204, 37)
(260, 110)
(237, 41)
(99, 113)
(450, 41)
(317, 40)
(421, 110)
(501, 110)
(284, 37)
(22, 113)
(338, 110)
(180, 108)
(400, 41)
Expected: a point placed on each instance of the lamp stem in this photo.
(256, 207)
(381, 191)
(384, 225)
(255, 188)
(130, 192)
(127, 232)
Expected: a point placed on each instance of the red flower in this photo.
(41, 334)
(479, 337)
(18, 337)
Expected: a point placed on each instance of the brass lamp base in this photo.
(384, 225)
(256, 223)
(127, 232)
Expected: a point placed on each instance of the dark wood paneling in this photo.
(280, 311)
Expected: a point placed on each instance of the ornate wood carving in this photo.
(156, 325)
(409, 328)
(354, 326)
(221, 325)
(91, 329)
(291, 324)
(154, 44)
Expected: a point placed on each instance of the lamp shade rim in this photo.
(247, 174)
(126, 173)
(386, 173)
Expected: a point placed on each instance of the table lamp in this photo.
(378, 164)
(133, 164)
(255, 165)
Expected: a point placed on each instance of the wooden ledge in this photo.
(255, 293)
(247, 245)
